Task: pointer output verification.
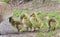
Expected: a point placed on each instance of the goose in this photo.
(52, 23)
(36, 23)
(5, 11)
(15, 23)
(27, 21)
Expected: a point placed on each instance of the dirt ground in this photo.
(33, 34)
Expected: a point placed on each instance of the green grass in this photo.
(49, 34)
(51, 15)
(44, 25)
(59, 0)
(40, 34)
(40, 15)
(17, 13)
(5, 1)
(33, 1)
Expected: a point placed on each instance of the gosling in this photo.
(27, 21)
(52, 23)
(36, 23)
(16, 24)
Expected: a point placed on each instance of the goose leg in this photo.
(17, 28)
(27, 28)
(49, 28)
(34, 29)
